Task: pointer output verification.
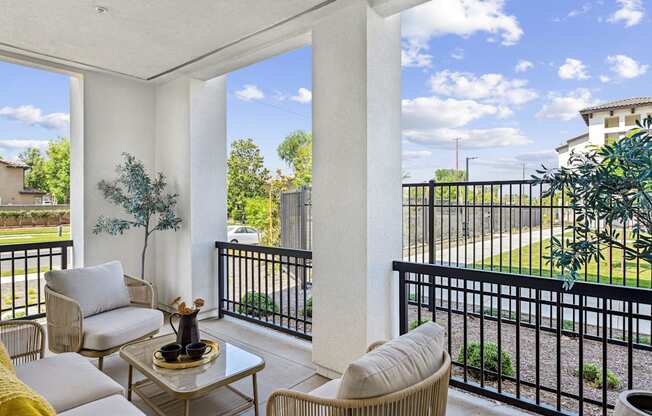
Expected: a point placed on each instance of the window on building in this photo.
(632, 119)
(611, 138)
(611, 122)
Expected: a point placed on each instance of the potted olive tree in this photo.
(610, 185)
(145, 200)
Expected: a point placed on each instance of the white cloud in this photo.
(523, 66)
(573, 69)
(20, 144)
(416, 154)
(494, 88)
(250, 92)
(538, 157)
(582, 10)
(471, 138)
(458, 53)
(432, 112)
(566, 107)
(460, 17)
(605, 78)
(412, 56)
(626, 67)
(33, 116)
(303, 96)
(631, 12)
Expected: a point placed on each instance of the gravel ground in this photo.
(616, 357)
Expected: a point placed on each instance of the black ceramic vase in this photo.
(188, 331)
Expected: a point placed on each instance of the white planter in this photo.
(634, 403)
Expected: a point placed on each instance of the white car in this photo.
(242, 234)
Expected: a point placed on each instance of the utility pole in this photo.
(457, 154)
(466, 172)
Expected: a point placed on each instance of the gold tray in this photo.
(185, 361)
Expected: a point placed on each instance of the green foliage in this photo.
(568, 325)
(35, 177)
(303, 166)
(414, 324)
(247, 177)
(50, 173)
(143, 197)
(308, 309)
(608, 185)
(257, 304)
(592, 373)
(490, 359)
(264, 213)
(288, 150)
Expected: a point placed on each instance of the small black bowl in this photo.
(197, 349)
(169, 352)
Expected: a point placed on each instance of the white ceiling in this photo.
(141, 38)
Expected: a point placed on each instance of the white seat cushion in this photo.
(110, 406)
(97, 289)
(67, 380)
(327, 390)
(119, 326)
(395, 365)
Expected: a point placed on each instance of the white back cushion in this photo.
(395, 365)
(97, 289)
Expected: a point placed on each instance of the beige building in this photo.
(12, 185)
(606, 122)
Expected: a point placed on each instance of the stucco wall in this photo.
(11, 184)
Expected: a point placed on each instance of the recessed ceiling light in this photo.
(101, 9)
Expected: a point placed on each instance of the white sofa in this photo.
(69, 382)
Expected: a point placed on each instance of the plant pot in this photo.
(634, 403)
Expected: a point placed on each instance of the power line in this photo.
(276, 107)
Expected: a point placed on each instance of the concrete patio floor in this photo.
(288, 365)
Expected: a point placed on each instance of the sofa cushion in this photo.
(327, 390)
(97, 289)
(119, 326)
(18, 399)
(395, 365)
(67, 380)
(109, 406)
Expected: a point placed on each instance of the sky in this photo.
(507, 77)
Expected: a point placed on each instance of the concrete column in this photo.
(356, 182)
(191, 151)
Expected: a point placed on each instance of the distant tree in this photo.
(303, 166)
(143, 197)
(449, 175)
(264, 213)
(246, 177)
(289, 147)
(57, 170)
(35, 178)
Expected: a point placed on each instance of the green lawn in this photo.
(32, 235)
(522, 256)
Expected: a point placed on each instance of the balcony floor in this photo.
(288, 365)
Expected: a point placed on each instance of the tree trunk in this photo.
(142, 259)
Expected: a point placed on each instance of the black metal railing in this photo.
(504, 226)
(266, 285)
(22, 267)
(526, 341)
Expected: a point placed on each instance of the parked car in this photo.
(242, 234)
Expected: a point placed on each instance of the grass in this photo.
(28, 235)
(636, 274)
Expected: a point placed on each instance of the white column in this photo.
(191, 151)
(357, 182)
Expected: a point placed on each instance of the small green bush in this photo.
(308, 308)
(490, 359)
(415, 323)
(257, 305)
(568, 325)
(592, 373)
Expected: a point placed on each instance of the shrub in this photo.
(490, 359)
(592, 373)
(415, 323)
(257, 304)
(308, 308)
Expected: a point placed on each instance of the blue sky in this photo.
(508, 77)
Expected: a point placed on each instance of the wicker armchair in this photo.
(25, 340)
(65, 321)
(426, 398)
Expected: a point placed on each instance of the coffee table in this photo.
(231, 365)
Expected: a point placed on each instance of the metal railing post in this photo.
(220, 282)
(431, 241)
